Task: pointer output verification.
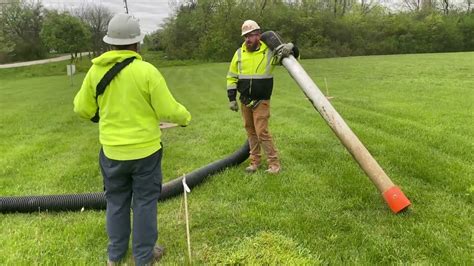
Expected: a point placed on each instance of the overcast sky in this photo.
(151, 13)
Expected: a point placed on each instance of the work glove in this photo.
(233, 106)
(286, 49)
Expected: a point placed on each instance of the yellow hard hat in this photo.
(249, 26)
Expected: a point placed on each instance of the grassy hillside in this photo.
(413, 112)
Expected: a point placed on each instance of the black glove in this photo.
(233, 106)
(286, 49)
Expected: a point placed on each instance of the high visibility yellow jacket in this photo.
(131, 107)
(250, 73)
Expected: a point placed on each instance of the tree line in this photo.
(210, 29)
(28, 31)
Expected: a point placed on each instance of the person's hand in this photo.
(286, 49)
(233, 106)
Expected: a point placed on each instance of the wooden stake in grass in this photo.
(186, 190)
(71, 69)
(327, 90)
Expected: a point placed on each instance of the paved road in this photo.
(37, 62)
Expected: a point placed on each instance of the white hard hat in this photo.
(249, 26)
(123, 29)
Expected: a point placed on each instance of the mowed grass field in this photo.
(414, 113)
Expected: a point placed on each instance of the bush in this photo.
(209, 30)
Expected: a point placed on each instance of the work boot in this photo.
(252, 168)
(115, 263)
(158, 252)
(273, 169)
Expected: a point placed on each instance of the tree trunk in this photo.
(446, 7)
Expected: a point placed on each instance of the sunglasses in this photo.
(250, 35)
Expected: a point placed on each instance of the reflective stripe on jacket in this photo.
(251, 72)
(132, 106)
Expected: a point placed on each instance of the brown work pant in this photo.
(256, 125)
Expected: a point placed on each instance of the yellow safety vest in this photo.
(251, 73)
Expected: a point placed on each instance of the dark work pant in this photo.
(136, 184)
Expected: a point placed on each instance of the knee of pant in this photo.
(250, 130)
(263, 135)
(254, 144)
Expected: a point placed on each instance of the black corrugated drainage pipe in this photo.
(77, 202)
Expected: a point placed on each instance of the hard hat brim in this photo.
(114, 41)
(249, 31)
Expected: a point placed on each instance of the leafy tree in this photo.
(6, 47)
(466, 26)
(97, 18)
(21, 24)
(64, 33)
(152, 41)
(209, 29)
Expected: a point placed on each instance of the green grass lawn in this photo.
(413, 112)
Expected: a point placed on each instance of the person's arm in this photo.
(233, 78)
(165, 106)
(85, 104)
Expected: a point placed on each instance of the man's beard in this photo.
(252, 46)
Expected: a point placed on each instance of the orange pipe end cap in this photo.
(396, 200)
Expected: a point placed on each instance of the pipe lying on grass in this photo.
(394, 197)
(77, 202)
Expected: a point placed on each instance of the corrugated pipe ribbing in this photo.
(96, 201)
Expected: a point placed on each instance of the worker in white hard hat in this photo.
(250, 74)
(128, 97)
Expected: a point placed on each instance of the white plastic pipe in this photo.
(394, 197)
